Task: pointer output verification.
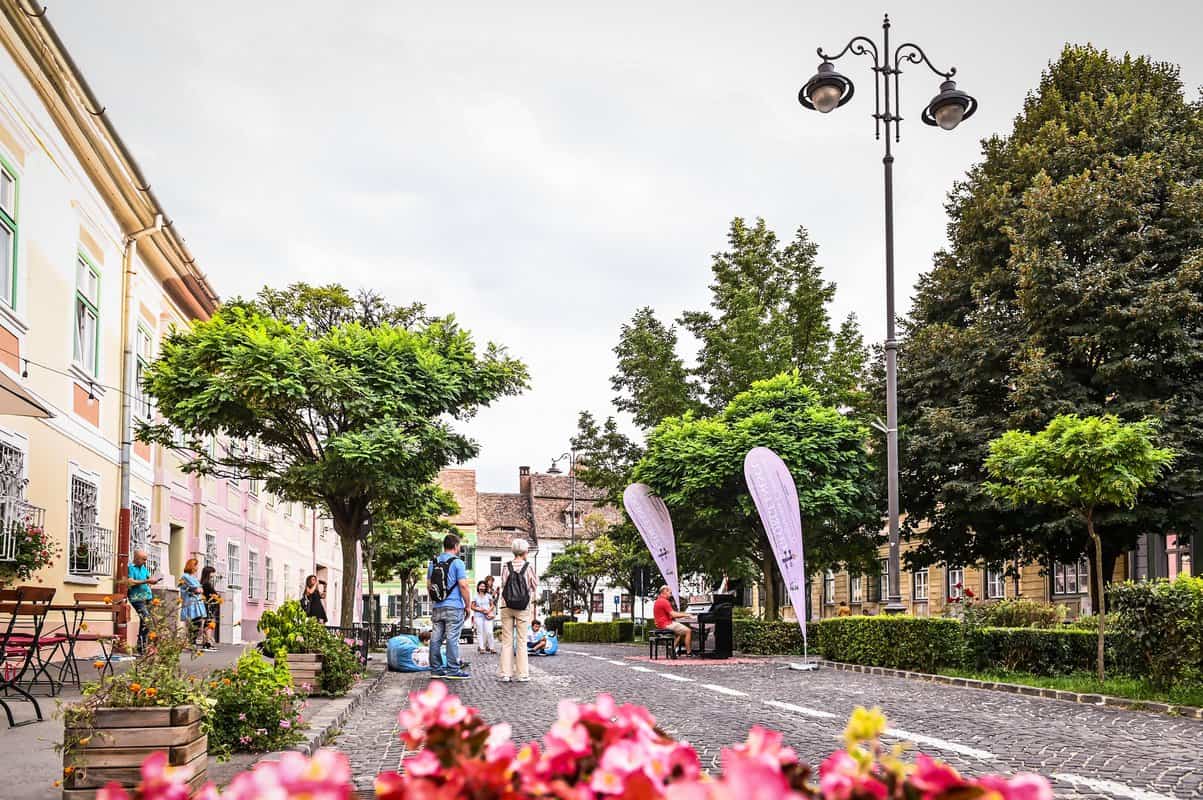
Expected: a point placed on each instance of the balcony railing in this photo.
(91, 551)
(16, 517)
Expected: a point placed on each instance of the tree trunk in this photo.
(1098, 586)
(769, 568)
(348, 535)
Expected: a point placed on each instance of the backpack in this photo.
(440, 580)
(516, 592)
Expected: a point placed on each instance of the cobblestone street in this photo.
(1087, 751)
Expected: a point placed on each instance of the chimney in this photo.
(524, 480)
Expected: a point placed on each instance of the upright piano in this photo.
(714, 637)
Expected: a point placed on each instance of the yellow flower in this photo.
(83, 626)
(98, 664)
(135, 687)
(864, 726)
(151, 691)
(152, 636)
(68, 770)
(84, 741)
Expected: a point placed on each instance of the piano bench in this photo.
(660, 637)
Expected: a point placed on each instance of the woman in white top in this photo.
(483, 614)
(517, 610)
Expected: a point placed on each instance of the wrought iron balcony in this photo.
(17, 516)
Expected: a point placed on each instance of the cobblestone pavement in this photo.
(1088, 751)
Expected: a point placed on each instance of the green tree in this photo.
(845, 381)
(1073, 283)
(580, 567)
(651, 381)
(347, 412)
(1080, 465)
(400, 546)
(768, 313)
(696, 466)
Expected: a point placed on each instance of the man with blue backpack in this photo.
(447, 585)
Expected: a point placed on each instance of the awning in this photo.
(16, 401)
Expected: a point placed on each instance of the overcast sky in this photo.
(543, 169)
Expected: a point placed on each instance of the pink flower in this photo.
(423, 765)
(242, 717)
(607, 781)
(1024, 786)
(932, 778)
(767, 746)
(841, 775)
(452, 712)
(285, 724)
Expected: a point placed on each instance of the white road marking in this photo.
(714, 687)
(599, 658)
(940, 744)
(806, 712)
(680, 678)
(644, 669)
(576, 652)
(619, 663)
(1110, 787)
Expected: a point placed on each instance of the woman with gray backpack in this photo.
(518, 587)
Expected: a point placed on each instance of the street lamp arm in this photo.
(913, 53)
(858, 46)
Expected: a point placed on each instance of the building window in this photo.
(955, 578)
(599, 602)
(86, 351)
(467, 553)
(625, 607)
(495, 566)
(919, 584)
(8, 235)
(252, 575)
(394, 606)
(883, 582)
(139, 535)
(570, 518)
(829, 587)
(1071, 578)
(855, 594)
(284, 579)
(996, 583)
(144, 356)
(269, 579)
(233, 566)
(211, 550)
(90, 546)
(1178, 554)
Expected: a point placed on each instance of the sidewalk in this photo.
(31, 764)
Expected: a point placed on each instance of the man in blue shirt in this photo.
(447, 617)
(139, 593)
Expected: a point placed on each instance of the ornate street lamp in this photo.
(827, 91)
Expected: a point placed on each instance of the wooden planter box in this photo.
(306, 669)
(121, 738)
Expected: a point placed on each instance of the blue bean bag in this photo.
(553, 644)
(400, 650)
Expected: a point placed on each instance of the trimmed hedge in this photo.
(901, 642)
(618, 631)
(1034, 650)
(555, 623)
(756, 637)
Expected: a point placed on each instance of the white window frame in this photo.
(883, 581)
(98, 540)
(269, 579)
(920, 586)
(211, 557)
(89, 363)
(233, 564)
(1080, 572)
(856, 589)
(495, 566)
(829, 588)
(252, 574)
(953, 576)
(996, 578)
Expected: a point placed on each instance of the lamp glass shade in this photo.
(949, 115)
(825, 97)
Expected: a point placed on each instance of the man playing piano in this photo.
(666, 619)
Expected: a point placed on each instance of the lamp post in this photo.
(828, 90)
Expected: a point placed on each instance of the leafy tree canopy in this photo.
(580, 567)
(696, 465)
(346, 411)
(1073, 283)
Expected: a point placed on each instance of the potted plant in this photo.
(317, 659)
(122, 719)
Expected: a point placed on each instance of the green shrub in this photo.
(1090, 622)
(756, 637)
(1040, 652)
(288, 629)
(618, 631)
(898, 642)
(555, 623)
(1020, 613)
(1163, 621)
(256, 708)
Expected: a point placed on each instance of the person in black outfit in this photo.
(311, 600)
(212, 606)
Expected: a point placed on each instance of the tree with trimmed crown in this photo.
(1080, 465)
(331, 400)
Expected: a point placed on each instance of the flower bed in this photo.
(601, 750)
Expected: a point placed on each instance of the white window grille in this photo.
(269, 579)
(233, 566)
(90, 547)
(855, 593)
(211, 550)
(139, 535)
(12, 498)
(919, 583)
(252, 575)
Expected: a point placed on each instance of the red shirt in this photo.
(662, 610)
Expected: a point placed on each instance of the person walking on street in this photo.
(518, 587)
(483, 612)
(212, 607)
(192, 602)
(311, 600)
(447, 586)
(139, 594)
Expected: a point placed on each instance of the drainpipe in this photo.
(129, 329)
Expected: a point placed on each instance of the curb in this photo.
(1186, 712)
(327, 722)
